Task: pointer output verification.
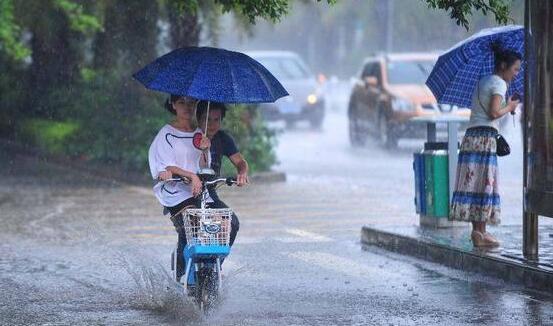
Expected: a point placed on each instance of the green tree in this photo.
(460, 11)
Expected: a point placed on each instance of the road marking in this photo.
(338, 264)
(314, 237)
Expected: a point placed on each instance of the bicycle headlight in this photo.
(402, 105)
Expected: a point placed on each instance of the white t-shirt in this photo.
(172, 147)
(486, 88)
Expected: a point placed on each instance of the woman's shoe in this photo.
(479, 239)
(491, 239)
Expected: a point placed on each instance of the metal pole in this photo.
(529, 220)
(389, 25)
(431, 132)
(452, 155)
(530, 236)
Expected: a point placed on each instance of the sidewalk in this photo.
(452, 247)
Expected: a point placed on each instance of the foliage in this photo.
(116, 123)
(11, 25)
(10, 32)
(272, 10)
(255, 141)
(79, 21)
(460, 10)
(50, 136)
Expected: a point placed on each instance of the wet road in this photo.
(80, 250)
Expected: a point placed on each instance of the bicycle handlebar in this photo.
(178, 178)
(229, 181)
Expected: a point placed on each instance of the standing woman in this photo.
(476, 198)
(179, 149)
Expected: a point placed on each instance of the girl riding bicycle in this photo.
(179, 149)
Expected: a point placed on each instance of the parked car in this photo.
(389, 91)
(305, 101)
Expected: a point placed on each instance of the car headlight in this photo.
(402, 105)
(312, 99)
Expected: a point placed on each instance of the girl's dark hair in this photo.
(201, 109)
(506, 57)
(169, 103)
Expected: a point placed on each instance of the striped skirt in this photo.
(476, 197)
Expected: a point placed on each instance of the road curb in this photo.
(526, 273)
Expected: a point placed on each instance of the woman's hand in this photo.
(164, 175)
(242, 179)
(196, 185)
(205, 143)
(512, 104)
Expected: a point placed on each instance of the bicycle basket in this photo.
(207, 227)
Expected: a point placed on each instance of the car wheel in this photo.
(356, 136)
(386, 137)
(316, 122)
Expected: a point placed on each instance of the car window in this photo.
(409, 72)
(285, 68)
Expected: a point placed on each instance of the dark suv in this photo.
(305, 101)
(389, 91)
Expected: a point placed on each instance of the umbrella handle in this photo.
(204, 154)
(206, 118)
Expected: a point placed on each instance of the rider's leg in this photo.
(234, 227)
(178, 223)
(179, 227)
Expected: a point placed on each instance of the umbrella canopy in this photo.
(456, 73)
(211, 74)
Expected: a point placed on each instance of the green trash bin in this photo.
(436, 183)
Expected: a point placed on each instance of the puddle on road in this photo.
(88, 284)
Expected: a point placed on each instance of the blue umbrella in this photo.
(457, 72)
(211, 74)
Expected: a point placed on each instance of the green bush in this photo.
(255, 141)
(110, 119)
(118, 121)
(50, 136)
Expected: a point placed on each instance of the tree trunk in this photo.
(56, 58)
(184, 30)
(130, 35)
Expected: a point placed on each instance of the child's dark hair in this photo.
(201, 109)
(169, 103)
(504, 58)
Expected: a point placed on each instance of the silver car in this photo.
(305, 101)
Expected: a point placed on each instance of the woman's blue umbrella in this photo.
(211, 74)
(456, 73)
